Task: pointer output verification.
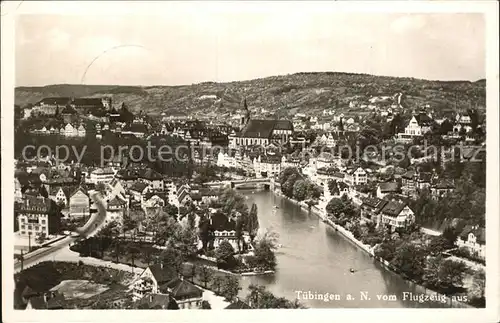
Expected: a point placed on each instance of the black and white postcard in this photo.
(176, 160)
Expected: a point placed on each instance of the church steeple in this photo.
(246, 117)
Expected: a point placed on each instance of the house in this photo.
(49, 106)
(18, 194)
(423, 180)
(396, 214)
(153, 178)
(371, 207)
(419, 125)
(81, 131)
(408, 184)
(38, 215)
(355, 176)
(268, 164)
(70, 130)
(60, 195)
(153, 200)
(384, 189)
(151, 279)
(441, 187)
(151, 301)
(116, 210)
(224, 228)
(474, 239)
(184, 197)
(327, 160)
(79, 203)
(185, 293)
(209, 195)
(138, 190)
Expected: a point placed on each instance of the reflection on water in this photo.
(315, 258)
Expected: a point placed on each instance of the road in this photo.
(92, 225)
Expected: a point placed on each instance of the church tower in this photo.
(246, 117)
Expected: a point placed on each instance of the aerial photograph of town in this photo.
(250, 161)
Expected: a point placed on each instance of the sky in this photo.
(195, 47)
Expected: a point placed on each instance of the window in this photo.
(23, 232)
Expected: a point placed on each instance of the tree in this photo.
(476, 290)
(253, 222)
(450, 235)
(253, 297)
(264, 250)
(147, 254)
(40, 238)
(451, 274)
(185, 240)
(172, 258)
(116, 249)
(204, 274)
(337, 207)
(230, 287)
(133, 251)
(129, 223)
(224, 252)
(313, 191)
(232, 202)
(299, 190)
(438, 245)
(260, 298)
(217, 283)
(409, 259)
(333, 187)
(431, 274)
(205, 231)
(191, 271)
(239, 227)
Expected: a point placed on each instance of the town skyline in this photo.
(239, 47)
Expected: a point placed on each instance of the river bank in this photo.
(370, 251)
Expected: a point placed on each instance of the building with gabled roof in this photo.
(152, 301)
(47, 301)
(384, 189)
(79, 203)
(396, 214)
(473, 238)
(185, 293)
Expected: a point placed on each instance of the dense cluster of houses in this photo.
(254, 145)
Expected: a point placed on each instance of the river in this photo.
(316, 258)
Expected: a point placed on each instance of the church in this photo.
(255, 132)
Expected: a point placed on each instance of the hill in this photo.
(308, 93)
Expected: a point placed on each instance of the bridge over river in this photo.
(244, 183)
